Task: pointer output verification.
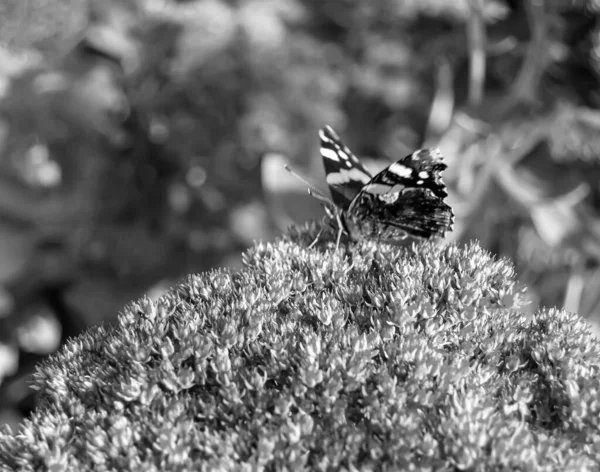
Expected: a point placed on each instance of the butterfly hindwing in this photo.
(413, 212)
(346, 176)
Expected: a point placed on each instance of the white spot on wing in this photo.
(324, 136)
(389, 197)
(424, 174)
(343, 154)
(400, 170)
(329, 154)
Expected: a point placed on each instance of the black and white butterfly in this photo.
(404, 199)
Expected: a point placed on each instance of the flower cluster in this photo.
(368, 357)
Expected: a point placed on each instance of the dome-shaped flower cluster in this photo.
(370, 357)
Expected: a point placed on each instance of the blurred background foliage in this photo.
(143, 140)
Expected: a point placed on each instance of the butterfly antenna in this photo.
(312, 190)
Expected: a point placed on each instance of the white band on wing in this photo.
(400, 170)
(343, 176)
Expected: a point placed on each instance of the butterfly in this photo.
(405, 199)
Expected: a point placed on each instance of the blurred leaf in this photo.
(574, 134)
(556, 221)
(40, 333)
(9, 360)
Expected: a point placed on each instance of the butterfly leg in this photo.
(316, 239)
(340, 223)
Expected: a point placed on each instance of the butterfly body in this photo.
(404, 199)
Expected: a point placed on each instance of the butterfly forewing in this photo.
(421, 169)
(406, 198)
(346, 176)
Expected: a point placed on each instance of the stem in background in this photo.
(16, 23)
(476, 36)
(574, 290)
(526, 84)
(442, 105)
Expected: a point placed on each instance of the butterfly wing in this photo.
(345, 175)
(406, 198)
